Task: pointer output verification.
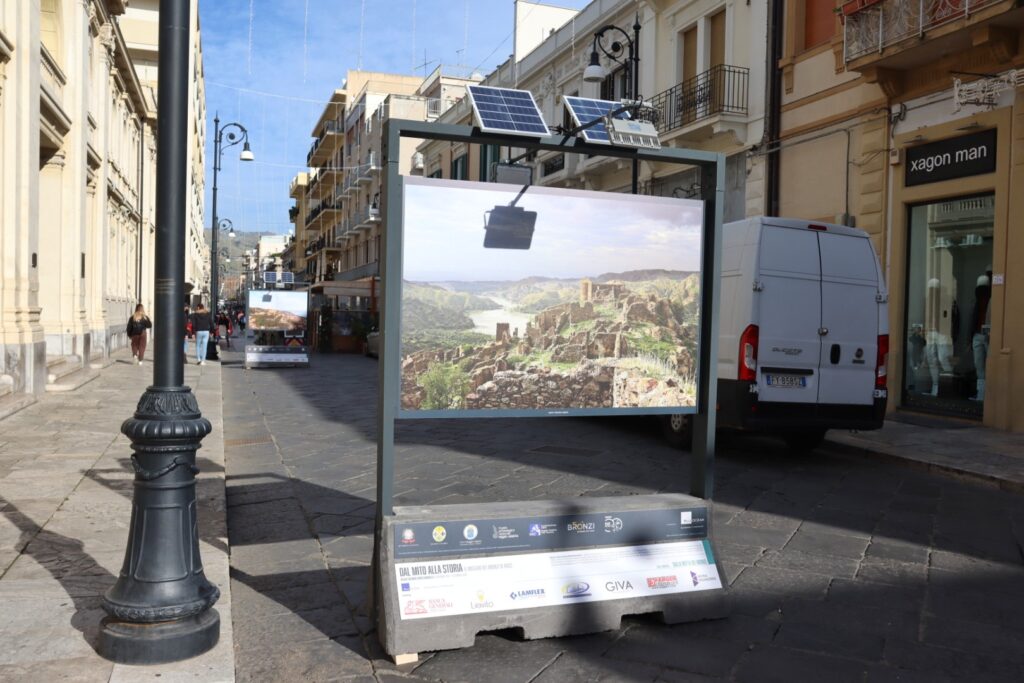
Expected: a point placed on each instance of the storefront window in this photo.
(948, 319)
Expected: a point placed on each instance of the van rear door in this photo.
(849, 319)
(789, 315)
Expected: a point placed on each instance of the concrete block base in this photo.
(400, 637)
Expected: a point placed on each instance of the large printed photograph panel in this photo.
(278, 311)
(547, 300)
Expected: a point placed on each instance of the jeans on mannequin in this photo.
(979, 345)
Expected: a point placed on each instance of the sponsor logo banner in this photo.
(472, 585)
(439, 538)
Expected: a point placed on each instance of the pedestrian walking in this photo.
(241, 322)
(136, 329)
(224, 328)
(189, 332)
(202, 325)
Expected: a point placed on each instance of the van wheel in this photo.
(806, 441)
(678, 430)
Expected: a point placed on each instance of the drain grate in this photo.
(565, 450)
(258, 441)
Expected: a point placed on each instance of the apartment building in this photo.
(701, 66)
(76, 159)
(337, 209)
(906, 118)
(141, 28)
(299, 263)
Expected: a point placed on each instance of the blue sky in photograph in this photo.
(271, 66)
(578, 233)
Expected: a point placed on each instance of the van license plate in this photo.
(786, 381)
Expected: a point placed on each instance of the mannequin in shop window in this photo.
(980, 327)
(938, 353)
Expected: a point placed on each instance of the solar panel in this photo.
(585, 110)
(270, 277)
(288, 277)
(503, 110)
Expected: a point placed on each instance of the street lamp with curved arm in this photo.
(595, 72)
(236, 133)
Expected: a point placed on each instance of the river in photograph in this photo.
(486, 322)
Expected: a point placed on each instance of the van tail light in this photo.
(882, 363)
(748, 354)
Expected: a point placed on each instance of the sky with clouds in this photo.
(577, 233)
(272, 64)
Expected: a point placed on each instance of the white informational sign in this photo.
(490, 584)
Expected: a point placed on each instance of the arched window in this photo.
(50, 28)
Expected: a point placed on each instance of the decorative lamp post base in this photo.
(160, 607)
(168, 641)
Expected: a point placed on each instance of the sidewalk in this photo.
(65, 505)
(970, 451)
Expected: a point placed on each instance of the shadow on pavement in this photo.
(77, 572)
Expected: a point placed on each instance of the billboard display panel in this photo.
(278, 311)
(547, 301)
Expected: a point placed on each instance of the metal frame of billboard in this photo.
(712, 165)
(712, 184)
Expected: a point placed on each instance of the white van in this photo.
(803, 331)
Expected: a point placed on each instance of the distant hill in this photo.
(644, 275)
(236, 246)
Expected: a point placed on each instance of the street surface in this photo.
(842, 568)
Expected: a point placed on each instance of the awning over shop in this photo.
(367, 287)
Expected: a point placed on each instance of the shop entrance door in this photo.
(949, 285)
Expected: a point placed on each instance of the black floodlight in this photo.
(267, 298)
(509, 227)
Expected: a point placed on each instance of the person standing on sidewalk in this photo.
(137, 326)
(202, 324)
(189, 330)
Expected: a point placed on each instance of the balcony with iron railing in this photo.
(318, 245)
(366, 218)
(698, 103)
(902, 34)
(325, 145)
(326, 208)
(351, 180)
(369, 167)
(366, 270)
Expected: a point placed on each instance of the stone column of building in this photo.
(22, 350)
(100, 79)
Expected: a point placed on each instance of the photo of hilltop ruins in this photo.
(276, 311)
(544, 329)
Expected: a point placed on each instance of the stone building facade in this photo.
(906, 119)
(77, 179)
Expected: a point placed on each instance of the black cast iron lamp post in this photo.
(159, 610)
(234, 138)
(595, 72)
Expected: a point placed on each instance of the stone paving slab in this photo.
(841, 568)
(65, 505)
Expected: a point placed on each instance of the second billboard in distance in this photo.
(278, 311)
(547, 301)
